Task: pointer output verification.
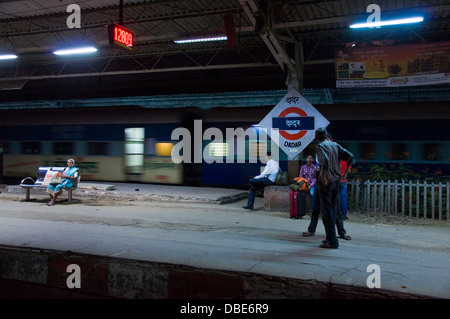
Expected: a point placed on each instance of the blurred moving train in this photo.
(131, 144)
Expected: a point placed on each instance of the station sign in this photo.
(292, 123)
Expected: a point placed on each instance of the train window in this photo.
(432, 151)
(150, 146)
(164, 149)
(61, 148)
(257, 150)
(398, 151)
(134, 150)
(218, 149)
(368, 151)
(98, 148)
(31, 147)
(4, 147)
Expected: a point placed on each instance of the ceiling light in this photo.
(387, 22)
(83, 50)
(219, 38)
(8, 56)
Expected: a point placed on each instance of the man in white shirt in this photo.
(266, 178)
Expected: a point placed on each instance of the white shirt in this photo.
(270, 171)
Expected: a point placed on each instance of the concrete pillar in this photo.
(295, 80)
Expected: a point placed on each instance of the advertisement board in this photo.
(393, 66)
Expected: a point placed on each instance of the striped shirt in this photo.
(309, 172)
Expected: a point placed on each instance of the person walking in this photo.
(329, 155)
(266, 178)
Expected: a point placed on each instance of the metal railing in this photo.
(402, 198)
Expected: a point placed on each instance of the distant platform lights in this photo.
(71, 51)
(76, 51)
(8, 56)
(202, 39)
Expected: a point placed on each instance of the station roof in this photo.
(266, 35)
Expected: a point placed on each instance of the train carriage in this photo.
(136, 145)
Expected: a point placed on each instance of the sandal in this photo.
(51, 203)
(327, 245)
(307, 234)
(346, 237)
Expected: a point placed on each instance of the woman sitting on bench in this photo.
(67, 181)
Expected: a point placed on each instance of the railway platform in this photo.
(142, 191)
(142, 241)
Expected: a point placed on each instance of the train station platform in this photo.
(139, 241)
(141, 191)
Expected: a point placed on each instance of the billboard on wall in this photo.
(393, 66)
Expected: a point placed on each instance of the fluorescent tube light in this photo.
(387, 22)
(75, 51)
(8, 56)
(220, 38)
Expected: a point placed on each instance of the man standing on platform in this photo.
(329, 155)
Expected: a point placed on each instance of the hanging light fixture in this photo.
(74, 51)
(206, 39)
(386, 23)
(8, 56)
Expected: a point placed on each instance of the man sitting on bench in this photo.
(68, 179)
(266, 178)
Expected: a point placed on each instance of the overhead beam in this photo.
(353, 17)
(177, 69)
(63, 27)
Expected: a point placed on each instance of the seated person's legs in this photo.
(255, 184)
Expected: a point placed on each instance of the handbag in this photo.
(56, 179)
(299, 183)
(52, 178)
(282, 178)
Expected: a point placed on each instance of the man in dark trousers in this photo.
(266, 178)
(329, 155)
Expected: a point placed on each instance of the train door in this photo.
(134, 152)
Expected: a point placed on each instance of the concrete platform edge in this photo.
(111, 277)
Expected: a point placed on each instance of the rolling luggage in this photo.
(301, 203)
(292, 203)
(297, 204)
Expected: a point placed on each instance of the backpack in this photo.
(299, 183)
(282, 178)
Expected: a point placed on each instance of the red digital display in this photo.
(121, 36)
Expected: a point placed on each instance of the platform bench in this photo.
(276, 198)
(28, 183)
